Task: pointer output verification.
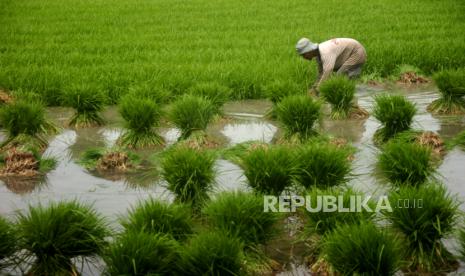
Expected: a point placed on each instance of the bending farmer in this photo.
(340, 55)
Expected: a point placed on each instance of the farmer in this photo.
(340, 55)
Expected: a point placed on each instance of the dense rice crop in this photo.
(7, 239)
(148, 90)
(152, 216)
(191, 113)
(429, 216)
(322, 165)
(213, 253)
(451, 85)
(61, 231)
(298, 115)
(269, 170)
(362, 250)
(88, 104)
(339, 91)
(190, 174)
(213, 91)
(140, 253)
(395, 113)
(278, 90)
(324, 222)
(404, 163)
(141, 116)
(241, 215)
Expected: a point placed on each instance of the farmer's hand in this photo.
(313, 92)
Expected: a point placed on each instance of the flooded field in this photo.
(113, 195)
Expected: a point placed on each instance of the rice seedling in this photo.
(148, 90)
(395, 113)
(298, 115)
(409, 74)
(451, 85)
(458, 140)
(362, 249)
(324, 222)
(424, 215)
(339, 92)
(461, 240)
(191, 113)
(141, 117)
(153, 216)
(218, 94)
(7, 240)
(426, 139)
(25, 124)
(269, 170)
(278, 90)
(322, 165)
(87, 103)
(404, 163)
(241, 215)
(190, 174)
(140, 253)
(105, 160)
(213, 253)
(55, 234)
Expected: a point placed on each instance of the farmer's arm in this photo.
(327, 69)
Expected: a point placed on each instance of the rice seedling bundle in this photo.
(7, 239)
(87, 103)
(339, 91)
(451, 84)
(218, 94)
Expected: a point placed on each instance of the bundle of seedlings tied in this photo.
(409, 74)
(23, 162)
(87, 103)
(216, 93)
(426, 139)
(298, 115)
(395, 113)
(142, 116)
(51, 237)
(276, 91)
(106, 160)
(8, 242)
(339, 91)
(451, 86)
(430, 217)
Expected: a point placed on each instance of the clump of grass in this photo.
(451, 84)
(7, 240)
(141, 116)
(140, 253)
(241, 215)
(87, 103)
(324, 222)
(362, 249)
(213, 253)
(269, 170)
(339, 91)
(395, 113)
(150, 91)
(190, 174)
(154, 217)
(298, 115)
(218, 94)
(25, 123)
(191, 113)
(55, 234)
(458, 140)
(322, 165)
(430, 216)
(404, 163)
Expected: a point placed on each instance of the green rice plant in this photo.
(322, 165)
(141, 116)
(278, 90)
(458, 140)
(461, 240)
(24, 122)
(298, 115)
(241, 215)
(424, 215)
(191, 113)
(404, 163)
(140, 253)
(362, 249)
(213, 253)
(395, 113)
(190, 174)
(55, 234)
(148, 90)
(153, 216)
(87, 103)
(451, 84)
(7, 240)
(321, 222)
(269, 169)
(218, 94)
(339, 92)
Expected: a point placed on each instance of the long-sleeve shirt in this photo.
(338, 54)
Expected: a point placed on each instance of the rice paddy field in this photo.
(139, 138)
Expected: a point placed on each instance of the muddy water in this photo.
(113, 196)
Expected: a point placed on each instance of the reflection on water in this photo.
(249, 131)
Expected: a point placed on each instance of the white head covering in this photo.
(304, 45)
